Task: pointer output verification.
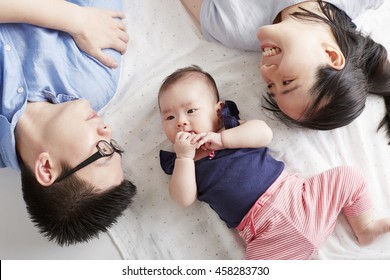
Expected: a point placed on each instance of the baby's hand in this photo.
(208, 141)
(184, 145)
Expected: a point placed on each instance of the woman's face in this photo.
(292, 52)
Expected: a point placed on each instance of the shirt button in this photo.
(20, 90)
(7, 47)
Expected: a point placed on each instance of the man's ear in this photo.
(336, 57)
(45, 172)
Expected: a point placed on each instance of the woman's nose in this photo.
(271, 66)
(268, 71)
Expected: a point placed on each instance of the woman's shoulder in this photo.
(355, 8)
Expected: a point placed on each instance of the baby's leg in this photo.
(366, 228)
(351, 193)
(359, 211)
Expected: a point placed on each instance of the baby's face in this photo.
(188, 105)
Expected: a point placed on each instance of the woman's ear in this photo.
(336, 57)
(44, 171)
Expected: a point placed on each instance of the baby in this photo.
(224, 162)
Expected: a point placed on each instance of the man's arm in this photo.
(53, 14)
(92, 29)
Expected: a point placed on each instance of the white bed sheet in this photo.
(163, 37)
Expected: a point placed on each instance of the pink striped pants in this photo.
(295, 216)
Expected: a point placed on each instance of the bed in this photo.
(163, 37)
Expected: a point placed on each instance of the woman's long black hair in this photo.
(344, 92)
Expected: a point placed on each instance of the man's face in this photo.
(72, 136)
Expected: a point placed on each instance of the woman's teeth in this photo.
(271, 51)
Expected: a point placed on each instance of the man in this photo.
(59, 66)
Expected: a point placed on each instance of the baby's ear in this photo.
(218, 108)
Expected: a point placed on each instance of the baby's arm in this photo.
(92, 29)
(182, 185)
(249, 134)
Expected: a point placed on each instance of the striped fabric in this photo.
(295, 216)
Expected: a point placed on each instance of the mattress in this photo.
(164, 37)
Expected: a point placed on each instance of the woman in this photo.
(318, 67)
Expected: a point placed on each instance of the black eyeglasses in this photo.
(104, 149)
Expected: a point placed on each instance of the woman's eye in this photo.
(270, 94)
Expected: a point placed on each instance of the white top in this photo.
(234, 23)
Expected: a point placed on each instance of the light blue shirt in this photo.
(38, 64)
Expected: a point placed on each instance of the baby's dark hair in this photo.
(185, 73)
(344, 92)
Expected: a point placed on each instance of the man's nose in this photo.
(104, 130)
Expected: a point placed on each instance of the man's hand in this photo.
(97, 29)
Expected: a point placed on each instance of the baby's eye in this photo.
(286, 83)
(269, 86)
(169, 118)
(190, 111)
